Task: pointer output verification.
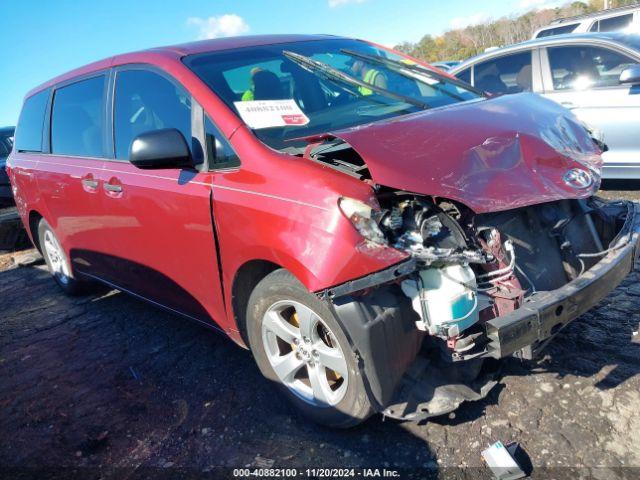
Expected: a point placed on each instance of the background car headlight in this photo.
(361, 216)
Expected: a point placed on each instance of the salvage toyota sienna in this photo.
(375, 231)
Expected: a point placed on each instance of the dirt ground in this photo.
(105, 386)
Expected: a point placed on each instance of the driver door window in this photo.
(582, 67)
(146, 101)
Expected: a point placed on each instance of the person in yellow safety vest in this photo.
(368, 75)
(249, 95)
(265, 85)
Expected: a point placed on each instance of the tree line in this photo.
(462, 43)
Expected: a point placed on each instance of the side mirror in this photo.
(166, 148)
(630, 75)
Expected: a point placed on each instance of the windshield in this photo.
(292, 90)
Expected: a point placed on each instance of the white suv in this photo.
(625, 19)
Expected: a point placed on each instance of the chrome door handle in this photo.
(113, 188)
(90, 184)
(567, 104)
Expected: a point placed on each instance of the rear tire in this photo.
(290, 330)
(57, 261)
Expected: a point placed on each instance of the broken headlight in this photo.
(362, 217)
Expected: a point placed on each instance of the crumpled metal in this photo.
(491, 155)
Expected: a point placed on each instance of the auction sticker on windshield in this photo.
(271, 113)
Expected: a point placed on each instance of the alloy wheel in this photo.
(55, 254)
(304, 353)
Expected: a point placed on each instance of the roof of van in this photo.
(181, 50)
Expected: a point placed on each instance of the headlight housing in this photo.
(362, 218)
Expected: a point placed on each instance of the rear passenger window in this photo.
(146, 101)
(506, 74)
(29, 131)
(77, 119)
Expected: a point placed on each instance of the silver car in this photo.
(596, 75)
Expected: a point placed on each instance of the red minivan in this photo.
(377, 232)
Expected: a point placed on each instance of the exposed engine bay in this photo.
(473, 268)
(482, 287)
(478, 284)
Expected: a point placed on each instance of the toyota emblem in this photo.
(578, 178)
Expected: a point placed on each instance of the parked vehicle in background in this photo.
(622, 19)
(446, 65)
(12, 234)
(372, 229)
(6, 144)
(595, 75)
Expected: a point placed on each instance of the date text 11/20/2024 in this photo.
(315, 473)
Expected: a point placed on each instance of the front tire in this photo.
(56, 260)
(301, 347)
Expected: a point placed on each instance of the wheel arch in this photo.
(242, 276)
(34, 220)
(244, 282)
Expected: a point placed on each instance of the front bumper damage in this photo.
(527, 330)
(409, 379)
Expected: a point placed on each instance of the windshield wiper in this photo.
(380, 60)
(315, 66)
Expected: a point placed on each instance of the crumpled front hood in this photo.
(490, 155)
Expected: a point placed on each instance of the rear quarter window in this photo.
(28, 137)
(613, 24)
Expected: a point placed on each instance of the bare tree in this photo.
(461, 43)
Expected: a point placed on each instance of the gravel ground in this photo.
(105, 386)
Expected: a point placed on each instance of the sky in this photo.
(44, 38)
